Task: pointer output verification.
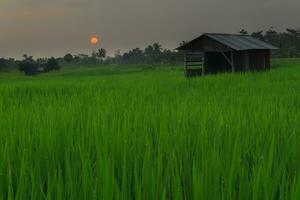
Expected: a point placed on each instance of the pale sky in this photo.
(56, 27)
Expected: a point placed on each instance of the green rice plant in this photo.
(127, 133)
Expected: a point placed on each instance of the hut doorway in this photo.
(215, 62)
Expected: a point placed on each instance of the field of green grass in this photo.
(137, 132)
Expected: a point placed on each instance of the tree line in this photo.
(96, 57)
(152, 54)
(29, 65)
(288, 41)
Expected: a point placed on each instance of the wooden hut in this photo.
(215, 53)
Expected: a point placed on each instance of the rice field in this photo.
(133, 133)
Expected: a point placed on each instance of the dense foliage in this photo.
(152, 54)
(32, 67)
(28, 65)
(51, 64)
(288, 41)
(121, 132)
(6, 64)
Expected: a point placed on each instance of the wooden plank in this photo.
(185, 62)
(194, 54)
(247, 64)
(194, 65)
(193, 61)
(196, 61)
(199, 53)
(229, 60)
(232, 61)
(203, 68)
(194, 57)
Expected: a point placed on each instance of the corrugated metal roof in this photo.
(241, 42)
(236, 42)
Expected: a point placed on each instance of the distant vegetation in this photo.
(152, 54)
(7, 64)
(288, 42)
(32, 67)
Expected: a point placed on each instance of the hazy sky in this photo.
(57, 27)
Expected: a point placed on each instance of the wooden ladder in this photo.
(193, 64)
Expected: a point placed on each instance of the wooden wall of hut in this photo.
(251, 60)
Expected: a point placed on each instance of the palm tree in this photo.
(101, 53)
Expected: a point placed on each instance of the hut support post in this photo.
(185, 66)
(247, 64)
(203, 66)
(265, 66)
(229, 60)
(232, 61)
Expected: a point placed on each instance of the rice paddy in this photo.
(134, 133)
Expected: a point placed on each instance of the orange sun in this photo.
(94, 40)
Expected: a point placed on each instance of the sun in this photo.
(94, 40)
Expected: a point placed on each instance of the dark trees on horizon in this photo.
(288, 42)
